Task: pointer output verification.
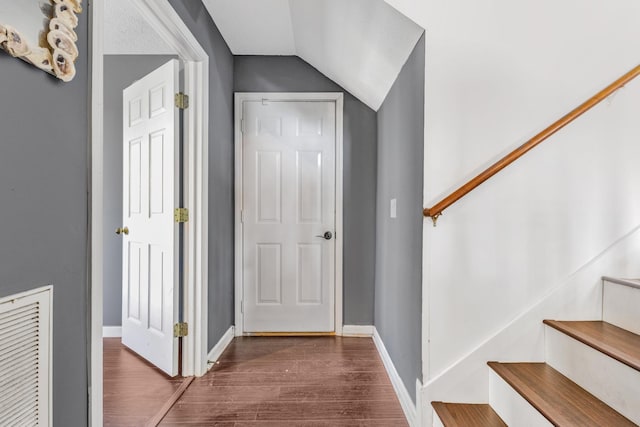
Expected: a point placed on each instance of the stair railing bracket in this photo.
(435, 217)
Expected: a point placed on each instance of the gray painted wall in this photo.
(120, 71)
(43, 209)
(221, 207)
(292, 74)
(398, 293)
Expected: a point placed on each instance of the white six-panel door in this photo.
(150, 194)
(288, 204)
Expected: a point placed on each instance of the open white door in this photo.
(150, 288)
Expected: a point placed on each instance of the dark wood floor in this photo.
(134, 390)
(311, 381)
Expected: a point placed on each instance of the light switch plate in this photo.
(393, 208)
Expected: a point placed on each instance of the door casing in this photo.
(338, 99)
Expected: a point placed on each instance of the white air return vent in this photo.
(25, 358)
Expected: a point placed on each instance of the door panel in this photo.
(309, 180)
(150, 186)
(288, 204)
(156, 173)
(134, 281)
(309, 278)
(135, 176)
(156, 292)
(269, 201)
(269, 278)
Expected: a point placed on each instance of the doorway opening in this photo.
(168, 30)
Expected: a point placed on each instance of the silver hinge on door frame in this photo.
(181, 100)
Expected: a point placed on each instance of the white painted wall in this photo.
(523, 233)
(497, 72)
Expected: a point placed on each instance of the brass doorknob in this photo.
(124, 230)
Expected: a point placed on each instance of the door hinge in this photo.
(182, 101)
(242, 130)
(181, 215)
(180, 330)
(241, 306)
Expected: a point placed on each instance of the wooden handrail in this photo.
(437, 209)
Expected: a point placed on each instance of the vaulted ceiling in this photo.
(360, 44)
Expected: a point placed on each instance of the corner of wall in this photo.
(407, 403)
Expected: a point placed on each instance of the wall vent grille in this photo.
(25, 358)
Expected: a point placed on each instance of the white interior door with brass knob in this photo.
(288, 215)
(150, 294)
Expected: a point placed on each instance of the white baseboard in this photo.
(406, 402)
(111, 331)
(437, 422)
(220, 347)
(419, 421)
(357, 331)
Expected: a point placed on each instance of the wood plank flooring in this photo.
(134, 390)
(287, 381)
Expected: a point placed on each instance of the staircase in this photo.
(591, 376)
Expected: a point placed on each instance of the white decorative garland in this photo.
(57, 59)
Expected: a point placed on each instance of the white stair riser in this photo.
(511, 406)
(620, 306)
(436, 420)
(613, 382)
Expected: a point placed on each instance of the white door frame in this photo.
(165, 20)
(336, 97)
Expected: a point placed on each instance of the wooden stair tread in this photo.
(467, 415)
(618, 343)
(556, 397)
